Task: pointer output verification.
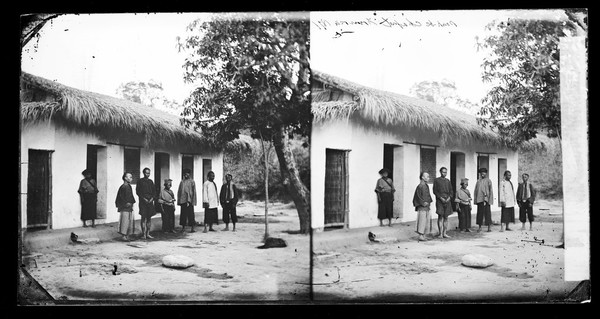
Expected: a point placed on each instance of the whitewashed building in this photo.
(358, 130)
(64, 130)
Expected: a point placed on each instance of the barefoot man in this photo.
(525, 199)
(484, 195)
(442, 189)
(146, 193)
(422, 201)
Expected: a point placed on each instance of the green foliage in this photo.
(251, 72)
(523, 66)
(544, 168)
(246, 164)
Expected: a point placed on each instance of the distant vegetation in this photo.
(244, 160)
(544, 168)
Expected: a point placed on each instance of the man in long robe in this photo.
(506, 194)
(422, 201)
(210, 201)
(124, 203)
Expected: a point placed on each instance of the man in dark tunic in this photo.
(186, 198)
(385, 197)
(525, 199)
(422, 201)
(229, 197)
(442, 189)
(484, 195)
(146, 193)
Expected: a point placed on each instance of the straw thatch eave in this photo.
(389, 109)
(103, 115)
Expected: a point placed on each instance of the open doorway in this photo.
(97, 163)
(206, 167)
(187, 161)
(336, 188)
(502, 166)
(457, 168)
(39, 190)
(161, 169)
(393, 161)
(483, 161)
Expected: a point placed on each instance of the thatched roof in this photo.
(102, 114)
(389, 109)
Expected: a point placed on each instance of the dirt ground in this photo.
(228, 267)
(412, 271)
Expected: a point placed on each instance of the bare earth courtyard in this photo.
(411, 271)
(228, 267)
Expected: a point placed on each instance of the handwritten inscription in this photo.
(386, 22)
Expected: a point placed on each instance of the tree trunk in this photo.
(266, 158)
(291, 178)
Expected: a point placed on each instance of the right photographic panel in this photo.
(440, 144)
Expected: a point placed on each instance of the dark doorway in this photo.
(92, 159)
(206, 167)
(483, 161)
(39, 190)
(336, 188)
(393, 161)
(187, 161)
(502, 166)
(388, 159)
(457, 169)
(161, 169)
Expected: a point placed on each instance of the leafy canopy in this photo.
(523, 68)
(252, 74)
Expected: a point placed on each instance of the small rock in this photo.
(177, 261)
(477, 261)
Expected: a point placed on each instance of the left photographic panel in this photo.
(164, 158)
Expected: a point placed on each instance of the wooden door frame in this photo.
(50, 215)
(346, 186)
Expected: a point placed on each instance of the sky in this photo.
(98, 52)
(396, 49)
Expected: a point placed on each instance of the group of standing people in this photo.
(447, 201)
(152, 202)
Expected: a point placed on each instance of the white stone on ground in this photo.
(477, 261)
(177, 261)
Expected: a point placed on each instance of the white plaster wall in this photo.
(336, 135)
(366, 158)
(69, 159)
(39, 136)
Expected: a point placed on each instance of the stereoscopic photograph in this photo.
(316, 157)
